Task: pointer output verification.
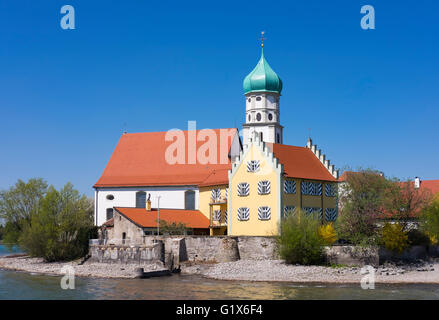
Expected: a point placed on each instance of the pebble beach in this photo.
(241, 270)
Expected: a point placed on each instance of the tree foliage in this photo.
(172, 228)
(299, 240)
(17, 206)
(403, 202)
(361, 198)
(45, 222)
(430, 220)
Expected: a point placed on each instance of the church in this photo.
(244, 188)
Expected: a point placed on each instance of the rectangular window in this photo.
(243, 189)
(264, 213)
(330, 190)
(225, 217)
(216, 216)
(243, 214)
(331, 214)
(264, 187)
(311, 188)
(216, 194)
(289, 210)
(253, 165)
(290, 186)
(317, 212)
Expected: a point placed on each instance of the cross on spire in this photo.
(262, 38)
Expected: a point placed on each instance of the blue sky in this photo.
(369, 97)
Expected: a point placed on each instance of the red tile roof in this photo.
(432, 185)
(300, 162)
(148, 219)
(139, 160)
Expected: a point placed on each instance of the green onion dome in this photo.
(262, 78)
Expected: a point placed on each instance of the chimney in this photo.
(417, 183)
(148, 203)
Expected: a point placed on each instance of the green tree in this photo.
(299, 240)
(18, 205)
(61, 228)
(430, 220)
(172, 228)
(361, 200)
(404, 203)
(2, 230)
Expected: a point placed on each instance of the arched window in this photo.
(270, 116)
(262, 136)
(141, 199)
(258, 98)
(258, 116)
(278, 138)
(189, 200)
(109, 213)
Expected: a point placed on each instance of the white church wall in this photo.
(171, 198)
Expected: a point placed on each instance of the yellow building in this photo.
(270, 180)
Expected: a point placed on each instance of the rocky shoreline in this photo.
(241, 270)
(278, 271)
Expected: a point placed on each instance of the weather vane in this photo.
(262, 38)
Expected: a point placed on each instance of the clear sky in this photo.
(368, 97)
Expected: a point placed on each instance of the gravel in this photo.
(277, 270)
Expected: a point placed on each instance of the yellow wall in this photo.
(299, 201)
(254, 226)
(206, 198)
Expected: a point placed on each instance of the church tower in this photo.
(262, 90)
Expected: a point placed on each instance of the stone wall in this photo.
(352, 255)
(127, 254)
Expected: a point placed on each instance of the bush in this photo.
(299, 241)
(430, 220)
(394, 238)
(327, 233)
(61, 228)
(418, 238)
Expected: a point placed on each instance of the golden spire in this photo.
(262, 38)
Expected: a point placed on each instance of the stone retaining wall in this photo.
(127, 254)
(172, 250)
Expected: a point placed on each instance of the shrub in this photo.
(299, 241)
(430, 220)
(418, 238)
(361, 199)
(394, 238)
(61, 228)
(327, 233)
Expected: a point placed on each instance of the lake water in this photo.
(20, 285)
